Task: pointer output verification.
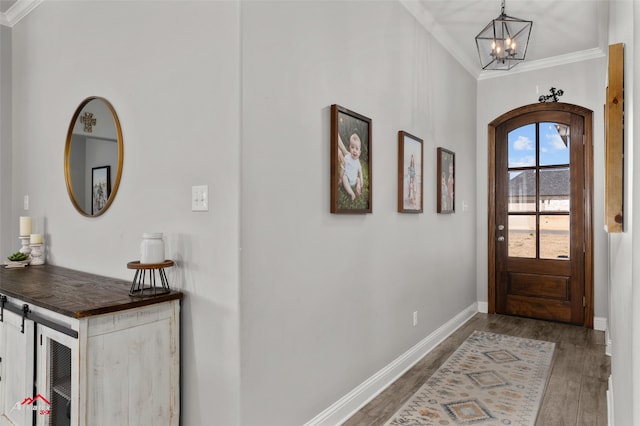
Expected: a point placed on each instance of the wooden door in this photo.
(540, 220)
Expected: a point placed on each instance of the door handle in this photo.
(501, 238)
(500, 227)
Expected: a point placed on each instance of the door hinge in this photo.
(584, 302)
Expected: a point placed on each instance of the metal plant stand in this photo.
(140, 288)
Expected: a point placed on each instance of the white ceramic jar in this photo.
(152, 248)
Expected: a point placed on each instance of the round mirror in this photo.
(93, 156)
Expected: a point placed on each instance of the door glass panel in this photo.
(554, 189)
(522, 236)
(538, 183)
(522, 191)
(554, 237)
(554, 144)
(522, 146)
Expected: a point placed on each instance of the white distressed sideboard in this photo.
(76, 349)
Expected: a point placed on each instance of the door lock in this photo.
(500, 227)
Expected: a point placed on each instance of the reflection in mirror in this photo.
(93, 156)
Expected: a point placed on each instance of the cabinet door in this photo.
(16, 369)
(58, 376)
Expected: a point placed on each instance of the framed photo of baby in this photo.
(446, 181)
(410, 190)
(350, 161)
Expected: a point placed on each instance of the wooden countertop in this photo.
(73, 293)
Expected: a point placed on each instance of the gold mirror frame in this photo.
(67, 157)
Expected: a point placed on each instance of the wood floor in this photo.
(575, 395)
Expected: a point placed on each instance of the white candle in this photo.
(25, 226)
(35, 239)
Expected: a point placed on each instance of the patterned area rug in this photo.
(491, 379)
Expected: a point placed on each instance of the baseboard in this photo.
(610, 417)
(483, 307)
(599, 323)
(349, 404)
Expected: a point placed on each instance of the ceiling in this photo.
(12, 11)
(6, 4)
(563, 30)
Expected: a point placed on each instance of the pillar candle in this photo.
(35, 239)
(25, 226)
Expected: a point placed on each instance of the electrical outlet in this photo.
(415, 318)
(26, 202)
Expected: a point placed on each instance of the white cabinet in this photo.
(122, 369)
(89, 361)
(16, 369)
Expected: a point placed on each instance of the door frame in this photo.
(588, 208)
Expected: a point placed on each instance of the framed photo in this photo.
(100, 187)
(351, 171)
(410, 156)
(446, 181)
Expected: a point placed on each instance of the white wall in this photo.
(633, 71)
(583, 84)
(624, 281)
(171, 71)
(634, 88)
(5, 140)
(228, 94)
(327, 300)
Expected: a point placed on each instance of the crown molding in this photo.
(430, 24)
(19, 10)
(583, 55)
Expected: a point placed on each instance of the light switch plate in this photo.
(200, 198)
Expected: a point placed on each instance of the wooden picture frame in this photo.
(410, 173)
(445, 183)
(100, 188)
(351, 171)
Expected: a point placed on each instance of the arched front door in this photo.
(540, 213)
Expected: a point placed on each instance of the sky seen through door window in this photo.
(522, 146)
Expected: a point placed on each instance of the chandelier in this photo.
(502, 44)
